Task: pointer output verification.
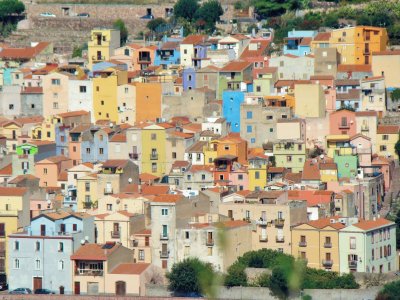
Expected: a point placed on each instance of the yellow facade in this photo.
(210, 153)
(257, 173)
(386, 144)
(86, 192)
(355, 45)
(334, 142)
(45, 131)
(318, 246)
(329, 175)
(153, 150)
(105, 93)
(102, 44)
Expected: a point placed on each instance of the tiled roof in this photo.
(372, 224)
(169, 46)
(201, 168)
(118, 138)
(74, 114)
(312, 197)
(21, 178)
(115, 163)
(12, 191)
(29, 120)
(369, 113)
(388, 129)
(94, 252)
(261, 48)
(23, 53)
(130, 268)
(322, 223)
(143, 232)
(180, 164)
(147, 177)
(293, 177)
(235, 66)
(345, 82)
(54, 159)
(305, 41)
(80, 128)
(322, 36)
(194, 39)
(62, 176)
(276, 169)
(372, 78)
(354, 68)
(197, 147)
(7, 170)
(350, 95)
(32, 90)
(386, 52)
(311, 171)
(155, 189)
(180, 134)
(167, 198)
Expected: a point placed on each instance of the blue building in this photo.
(62, 134)
(168, 54)
(189, 79)
(199, 54)
(231, 100)
(40, 256)
(298, 42)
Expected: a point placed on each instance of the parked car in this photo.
(3, 286)
(47, 14)
(43, 291)
(21, 291)
(148, 17)
(83, 15)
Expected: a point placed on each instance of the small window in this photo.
(153, 136)
(109, 207)
(37, 264)
(249, 115)
(352, 243)
(45, 171)
(37, 246)
(11, 106)
(16, 263)
(164, 211)
(55, 81)
(60, 247)
(82, 89)
(61, 265)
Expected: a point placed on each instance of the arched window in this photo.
(61, 264)
(37, 264)
(16, 263)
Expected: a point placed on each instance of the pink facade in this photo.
(386, 167)
(363, 147)
(343, 122)
(239, 178)
(143, 57)
(49, 169)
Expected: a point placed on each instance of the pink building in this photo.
(240, 178)
(50, 169)
(363, 148)
(342, 122)
(386, 166)
(143, 57)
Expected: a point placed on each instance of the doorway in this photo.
(77, 287)
(37, 283)
(120, 288)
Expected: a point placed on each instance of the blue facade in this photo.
(97, 145)
(294, 41)
(189, 79)
(231, 101)
(7, 78)
(200, 53)
(62, 134)
(167, 57)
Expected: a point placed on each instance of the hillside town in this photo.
(122, 163)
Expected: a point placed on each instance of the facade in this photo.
(102, 44)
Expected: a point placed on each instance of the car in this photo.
(43, 291)
(148, 17)
(83, 15)
(21, 291)
(3, 286)
(47, 14)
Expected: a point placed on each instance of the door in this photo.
(77, 287)
(92, 288)
(37, 283)
(120, 288)
(42, 230)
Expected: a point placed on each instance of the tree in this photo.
(154, 24)
(390, 291)
(123, 31)
(77, 51)
(273, 8)
(397, 147)
(9, 7)
(395, 95)
(186, 9)
(191, 276)
(236, 275)
(209, 12)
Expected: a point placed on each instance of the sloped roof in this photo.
(94, 252)
(130, 268)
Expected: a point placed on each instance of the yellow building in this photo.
(317, 242)
(102, 44)
(335, 145)
(105, 93)
(356, 45)
(310, 100)
(11, 130)
(210, 152)
(257, 170)
(46, 130)
(154, 159)
(86, 191)
(387, 137)
(14, 215)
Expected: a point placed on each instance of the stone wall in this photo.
(356, 294)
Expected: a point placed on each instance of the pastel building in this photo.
(298, 42)
(102, 44)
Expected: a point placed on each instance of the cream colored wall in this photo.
(310, 101)
(106, 226)
(388, 64)
(132, 283)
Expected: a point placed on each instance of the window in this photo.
(82, 89)
(87, 200)
(373, 254)
(141, 254)
(16, 263)
(173, 155)
(55, 81)
(74, 227)
(87, 186)
(299, 147)
(55, 105)
(382, 148)
(258, 88)
(45, 171)
(11, 106)
(249, 128)
(164, 211)
(289, 158)
(61, 265)
(16, 245)
(203, 177)
(97, 88)
(109, 207)
(249, 115)
(102, 102)
(101, 151)
(257, 175)
(352, 243)
(32, 105)
(37, 246)
(240, 177)
(37, 264)
(87, 150)
(187, 235)
(154, 167)
(153, 136)
(385, 137)
(61, 247)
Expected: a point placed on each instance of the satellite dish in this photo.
(49, 202)
(86, 238)
(111, 125)
(130, 180)
(321, 156)
(82, 242)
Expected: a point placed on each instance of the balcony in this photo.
(364, 128)
(280, 239)
(144, 60)
(210, 242)
(279, 223)
(164, 254)
(261, 222)
(98, 58)
(164, 236)
(263, 238)
(89, 272)
(302, 244)
(327, 245)
(134, 156)
(108, 191)
(352, 264)
(153, 156)
(327, 262)
(135, 243)
(344, 126)
(87, 205)
(2, 253)
(115, 234)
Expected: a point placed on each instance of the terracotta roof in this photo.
(62, 176)
(293, 177)
(312, 197)
(184, 135)
(125, 213)
(388, 129)
(344, 82)
(327, 166)
(354, 68)
(32, 90)
(386, 52)
(366, 113)
(115, 163)
(234, 223)
(143, 232)
(12, 191)
(322, 77)
(29, 120)
(7, 170)
(23, 53)
(290, 83)
(311, 171)
(180, 164)
(118, 138)
(276, 169)
(373, 78)
(322, 223)
(305, 41)
(350, 95)
(54, 159)
(74, 114)
(322, 36)
(372, 224)
(194, 39)
(236, 65)
(155, 189)
(201, 168)
(194, 127)
(21, 178)
(261, 48)
(130, 268)
(80, 128)
(147, 177)
(94, 252)
(102, 216)
(167, 198)
(197, 147)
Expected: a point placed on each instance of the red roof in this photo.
(130, 268)
(23, 53)
(155, 189)
(313, 198)
(194, 39)
(322, 36)
(387, 52)
(32, 90)
(234, 66)
(167, 198)
(148, 177)
(12, 191)
(354, 68)
(94, 251)
(7, 170)
(372, 224)
(388, 129)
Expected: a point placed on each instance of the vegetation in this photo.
(154, 24)
(123, 31)
(288, 275)
(395, 95)
(397, 147)
(191, 277)
(390, 291)
(10, 12)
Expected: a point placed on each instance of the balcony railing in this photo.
(108, 191)
(327, 262)
(134, 156)
(352, 264)
(280, 239)
(303, 244)
(144, 60)
(87, 205)
(327, 245)
(279, 222)
(344, 125)
(364, 128)
(210, 242)
(163, 236)
(2, 234)
(98, 58)
(164, 254)
(261, 222)
(115, 234)
(154, 156)
(89, 272)
(263, 238)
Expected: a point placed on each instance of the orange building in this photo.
(233, 144)
(148, 101)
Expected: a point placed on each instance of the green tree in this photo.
(191, 276)
(395, 95)
(397, 221)
(390, 291)
(272, 8)
(186, 9)
(154, 24)
(238, 5)
(77, 51)
(209, 12)
(236, 275)
(397, 147)
(8, 7)
(123, 31)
